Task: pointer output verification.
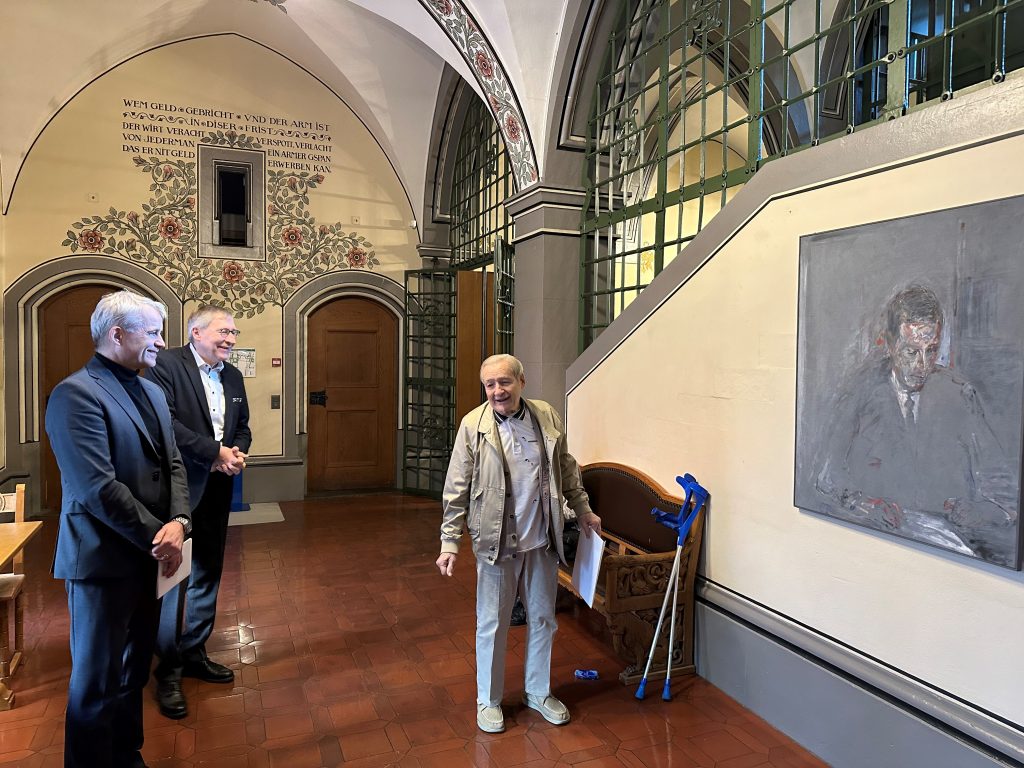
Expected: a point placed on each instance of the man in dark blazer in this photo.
(206, 395)
(124, 513)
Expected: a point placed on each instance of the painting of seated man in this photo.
(914, 428)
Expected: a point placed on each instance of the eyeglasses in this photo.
(225, 332)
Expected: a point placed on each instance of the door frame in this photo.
(316, 293)
(21, 303)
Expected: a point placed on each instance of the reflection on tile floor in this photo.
(349, 648)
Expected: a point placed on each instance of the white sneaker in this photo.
(551, 709)
(489, 719)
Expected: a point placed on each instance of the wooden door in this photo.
(352, 410)
(65, 345)
(474, 336)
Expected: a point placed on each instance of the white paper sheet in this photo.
(164, 583)
(587, 565)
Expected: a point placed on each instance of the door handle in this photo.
(318, 398)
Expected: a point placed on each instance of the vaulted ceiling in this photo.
(383, 58)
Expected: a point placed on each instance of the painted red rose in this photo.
(356, 257)
(133, 217)
(168, 171)
(319, 178)
(90, 239)
(271, 209)
(484, 65)
(444, 7)
(170, 228)
(233, 272)
(323, 229)
(292, 237)
(495, 104)
(293, 183)
(512, 129)
(191, 202)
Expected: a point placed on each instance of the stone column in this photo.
(547, 243)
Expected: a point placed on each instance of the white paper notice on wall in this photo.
(244, 359)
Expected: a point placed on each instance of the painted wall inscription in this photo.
(160, 233)
(173, 130)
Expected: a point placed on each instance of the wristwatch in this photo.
(185, 523)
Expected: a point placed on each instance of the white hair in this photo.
(511, 364)
(122, 309)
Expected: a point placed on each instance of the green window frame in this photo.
(694, 96)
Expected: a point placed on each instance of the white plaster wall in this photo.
(707, 385)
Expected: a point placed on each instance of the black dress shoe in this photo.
(170, 699)
(207, 670)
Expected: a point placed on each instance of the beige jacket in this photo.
(474, 489)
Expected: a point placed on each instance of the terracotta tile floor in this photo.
(349, 648)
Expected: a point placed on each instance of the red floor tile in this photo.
(340, 662)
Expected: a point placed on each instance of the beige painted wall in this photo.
(717, 367)
(77, 169)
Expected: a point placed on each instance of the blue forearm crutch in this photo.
(696, 496)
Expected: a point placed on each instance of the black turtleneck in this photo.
(130, 381)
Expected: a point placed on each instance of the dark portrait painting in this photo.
(910, 377)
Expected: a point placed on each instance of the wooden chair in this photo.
(12, 593)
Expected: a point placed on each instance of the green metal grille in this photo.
(429, 378)
(504, 297)
(481, 182)
(695, 95)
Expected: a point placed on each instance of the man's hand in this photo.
(588, 522)
(167, 546)
(446, 563)
(230, 461)
(884, 511)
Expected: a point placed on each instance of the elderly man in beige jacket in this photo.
(509, 473)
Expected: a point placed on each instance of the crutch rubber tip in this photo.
(640, 688)
(666, 693)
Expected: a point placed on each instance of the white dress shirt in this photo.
(214, 392)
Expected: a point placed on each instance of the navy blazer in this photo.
(178, 375)
(117, 491)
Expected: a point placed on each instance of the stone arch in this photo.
(21, 303)
(314, 294)
(468, 38)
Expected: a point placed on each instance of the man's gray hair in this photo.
(204, 315)
(512, 364)
(122, 309)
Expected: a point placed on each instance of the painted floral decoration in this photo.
(90, 239)
(476, 49)
(233, 272)
(161, 237)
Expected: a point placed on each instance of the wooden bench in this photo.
(636, 567)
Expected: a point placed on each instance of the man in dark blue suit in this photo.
(124, 513)
(206, 395)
